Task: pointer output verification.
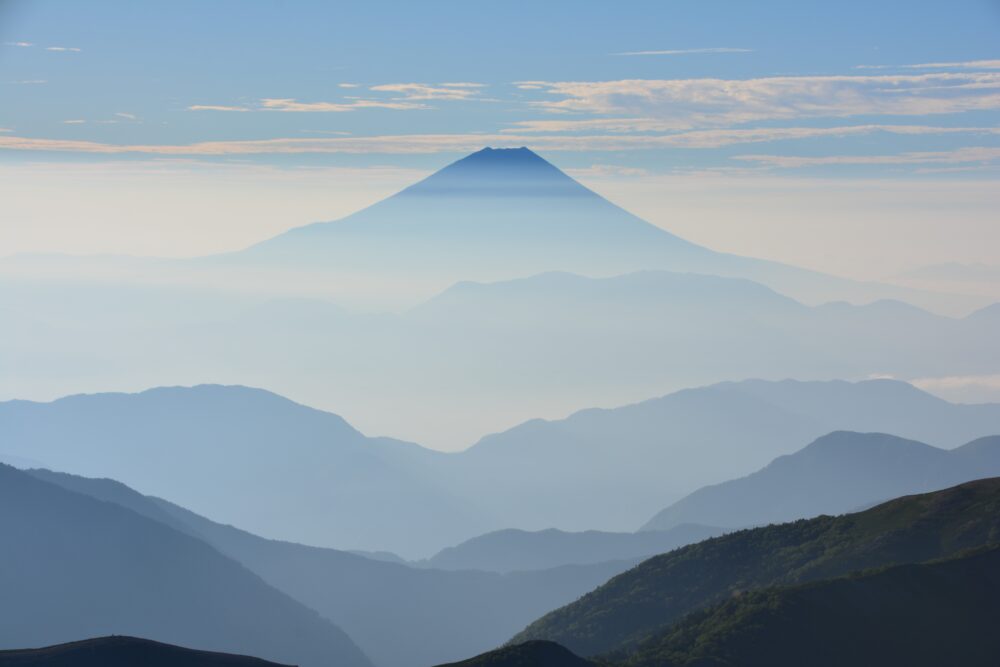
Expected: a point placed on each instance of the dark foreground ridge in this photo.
(119, 651)
(534, 653)
(941, 613)
(646, 601)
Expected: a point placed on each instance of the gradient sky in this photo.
(858, 138)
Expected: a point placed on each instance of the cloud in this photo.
(26, 82)
(74, 121)
(706, 102)
(71, 49)
(957, 382)
(292, 105)
(5, 129)
(968, 64)
(449, 143)
(215, 107)
(683, 52)
(606, 170)
(969, 154)
(348, 85)
(721, 137)
(289, 104)
(424, 91)
(126, 116)
(20, 44)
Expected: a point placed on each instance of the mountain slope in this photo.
(941, 613)
(431, 615)
(641, 602)
(510, 550)
(837, 473)
(117, 651)
(73, 566)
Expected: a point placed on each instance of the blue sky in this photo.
(380, 92)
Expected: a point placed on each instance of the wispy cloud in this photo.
(215, 107)
(424, 91)
(26, 82)
(74, 121)
(5, 129)
(450, 143)
(70, 49)
(288, 104)
(348, 85)
(958, 382)
(126, 115)
(19, 44)
(969, 154)
(716, 138)
(684, 52)
(708, 102)
(967, 64)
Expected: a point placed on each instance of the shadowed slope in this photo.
(72, 566)
(529, 654)
(117, 651)
(431, 615)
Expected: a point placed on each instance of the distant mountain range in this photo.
(512, 550)
(643, 603)
(837, 473)
(73, 566)
(431, 615)
(119, 651)
(496, 290)
(478, 356)
(299, 474)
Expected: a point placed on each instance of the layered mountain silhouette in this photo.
(120, 651)
(294, 473)
(249, 458)
(920, 615)
(431, 615)
(512, 549)
(837, 473)
(73, 566)
(645, 601)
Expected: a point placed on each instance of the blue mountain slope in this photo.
(840, 472)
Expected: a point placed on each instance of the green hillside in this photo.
(942, 613)
(635, 605)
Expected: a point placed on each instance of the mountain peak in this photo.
(499, 172)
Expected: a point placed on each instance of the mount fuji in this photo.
(503, 213)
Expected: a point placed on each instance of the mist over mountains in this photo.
(498, 296)
(505, 275)
(299, 474)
